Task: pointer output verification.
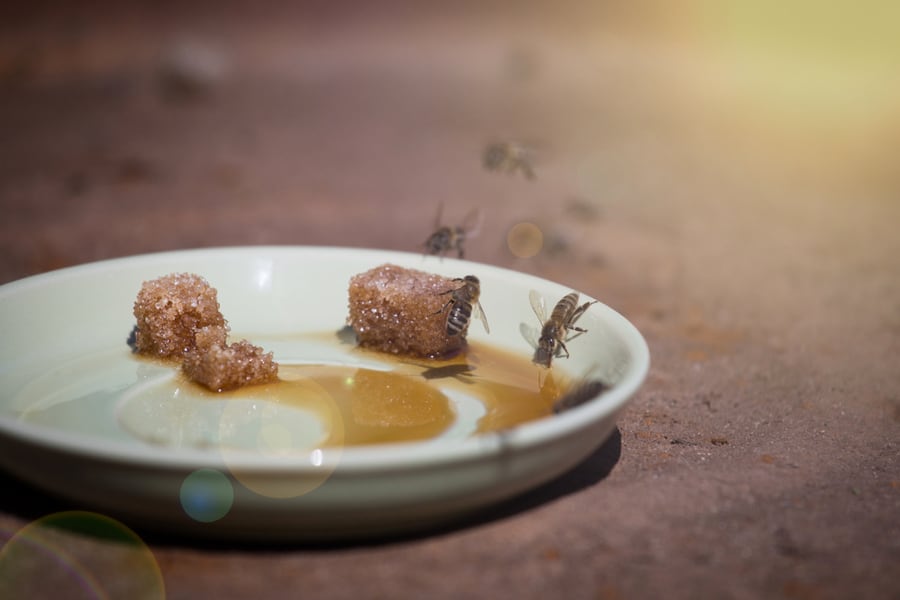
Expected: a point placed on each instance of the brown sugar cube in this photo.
(398, 310)
(222, 367)
(169, 310)
(207, 337)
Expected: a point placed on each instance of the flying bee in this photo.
(446, 237)
(555, 329)
(463, 303)
(508, 157)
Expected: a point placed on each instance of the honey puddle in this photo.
(511, 389)
(356, 406)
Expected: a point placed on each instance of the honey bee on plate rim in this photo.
(463, 303)
(555, 329)
(452, 237)
(579, 393)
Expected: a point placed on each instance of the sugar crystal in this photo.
(399, 310)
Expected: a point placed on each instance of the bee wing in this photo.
(479, 311)
(530, 334)
(472, 222)
(537, 305)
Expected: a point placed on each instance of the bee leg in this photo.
(562, 348)
(444, 307)
(578, 331)
(570, 326)
(459, 242)
(454, 289)
(581, 310)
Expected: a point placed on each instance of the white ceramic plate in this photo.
(79, 415)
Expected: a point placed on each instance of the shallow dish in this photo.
(76, 418)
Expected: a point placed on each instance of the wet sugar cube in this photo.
(399, 310)
(170, 309)
(222, 367)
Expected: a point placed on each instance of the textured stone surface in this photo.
(738, 204)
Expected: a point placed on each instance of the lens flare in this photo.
(88, 555)
(206, 495)
(289, 426)
(284, 425)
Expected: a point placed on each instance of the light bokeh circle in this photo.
(525, 239)
(294, 431)
(80, 555)
(206, 495)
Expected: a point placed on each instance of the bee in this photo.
(578, 394)
(508, 157)
(463, 303)
(555, 329)
(447, 238)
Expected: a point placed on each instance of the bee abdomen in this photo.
(566, 306)
(458, 319)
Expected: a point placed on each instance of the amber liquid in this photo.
(406, 403)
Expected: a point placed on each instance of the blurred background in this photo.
(684, 159)
(141, 126)
(679, 153)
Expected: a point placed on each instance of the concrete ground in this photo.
(726, 180)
